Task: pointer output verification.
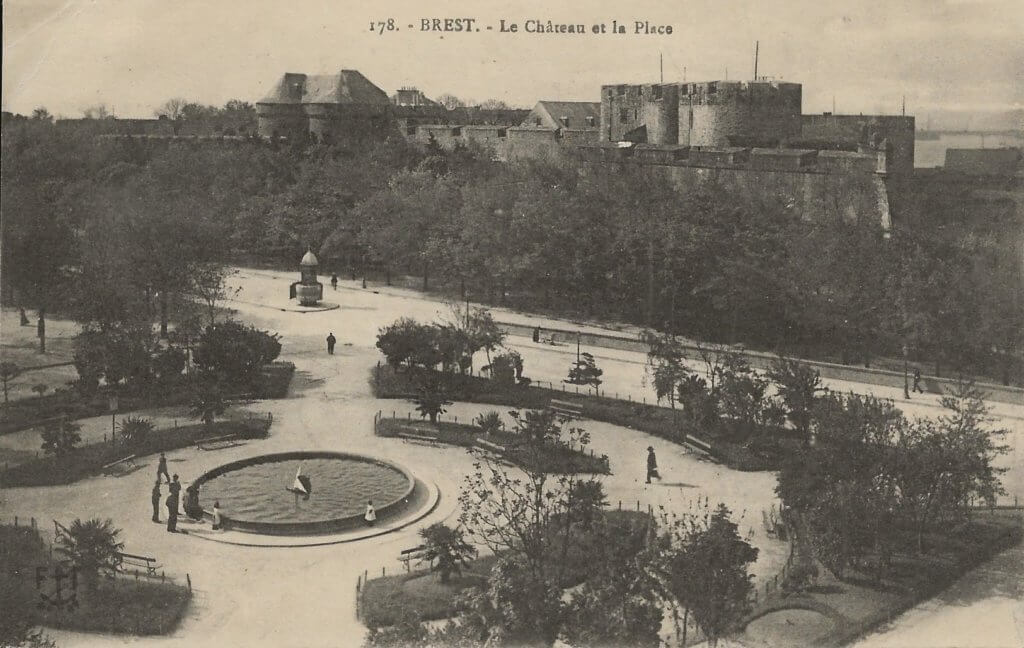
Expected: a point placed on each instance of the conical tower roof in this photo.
(309, 259)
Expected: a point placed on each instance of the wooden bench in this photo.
(408, 555)
(487, 445)
(492, 450)
(418, 438)
(132, 560)
(218, 442)
(126, 464)
(565, 409)
(698, 444)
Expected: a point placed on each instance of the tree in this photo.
(585, 371)
(742, 393)
(665, 364)
(8, 372)
(99, 111)
(207, 400)
(705, 567)
(493, 104)
(234, 352)
(60, 437)
(798, 385)
(409, 343)
(489, 423)
(450, 101)
(446, 550)
(210, 283)
(91, 545)
(172, 109)
(431, 399)
(42, 114)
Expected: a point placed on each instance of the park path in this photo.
(306, 597)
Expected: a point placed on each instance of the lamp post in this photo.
(906, 375)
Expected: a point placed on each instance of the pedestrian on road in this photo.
(175, 488)
(334, 281)
(331, 340)
(652, 465)
(917, 380)
(371, 515)
(24, 317)
(192, 508)
(536, 334)
(161, 469)
(172, 513)
(156, 501)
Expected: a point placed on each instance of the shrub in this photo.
(91, 545)
(135, 429)
(235, 352)
(446, 550)
(490, 423)
(60, 437)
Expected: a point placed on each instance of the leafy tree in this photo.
(91, 545)
(42, 114)
(40, 388)
(211, 284)
(585, 371)
(207, 400)
(135, 429)
(409, 343)
(431, 399)
(446, 550)
(234, 352)
(60, 437)
(742, 393)
(705, 568)
(798, 385)
(665, 364)
(507, 368)
(8, 372)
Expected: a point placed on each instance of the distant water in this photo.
(932, 153)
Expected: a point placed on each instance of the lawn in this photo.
(119, 605)
(740, 449)
(558, 458)
(89, 459)
(382, 600)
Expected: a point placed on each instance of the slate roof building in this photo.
(557, 115)
(324, 107)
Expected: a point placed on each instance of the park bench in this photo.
(122, 466)
(565, 409)
(125, 561)
(493, 450)
(408, 555)
(697, 444)
(418, 438)
(218, 442)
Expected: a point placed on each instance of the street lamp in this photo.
(906, 378)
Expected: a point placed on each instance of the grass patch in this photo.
(739, 449)
(558, 459)
(68, 403)
(382, 600)
(119, 605)
(89, 459)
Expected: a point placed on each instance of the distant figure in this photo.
(192, 508)
(652, 465)
(917, 380)
(161, 469)
(334, 281)
(172, 513)
(41, 333)
(536, 334)
(24, 317)
(175, 487)
(156, 501)
(216, 516)
(331, 341)
(371, 515)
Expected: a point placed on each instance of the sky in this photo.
(132, 55)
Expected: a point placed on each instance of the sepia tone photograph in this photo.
(331, 323)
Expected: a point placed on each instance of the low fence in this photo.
(114, 576)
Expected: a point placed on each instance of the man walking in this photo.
(652, 465)
(334, 281)
(161, 469)
(331, 340)
(156, 501)
(917, 380)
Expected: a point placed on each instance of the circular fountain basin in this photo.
(253, 493)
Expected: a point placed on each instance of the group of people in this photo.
(191, 507)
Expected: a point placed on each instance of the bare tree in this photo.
(450, 101)
(210, 285)
(172, 108)
(99, 111)
(42, 114)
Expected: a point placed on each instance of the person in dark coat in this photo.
(331, 341)
(172, 513)
(175, 487)
(161, 469)
(156, 501)
(917, 380)
(536, 334)
(652, 465)
(334, 281)
(192, 508)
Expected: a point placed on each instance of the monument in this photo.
(307, 289)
